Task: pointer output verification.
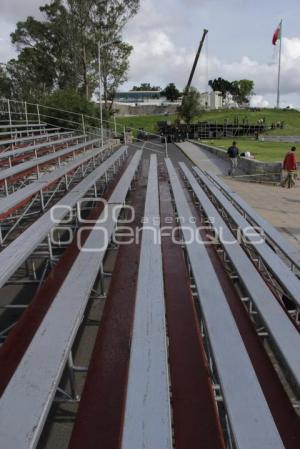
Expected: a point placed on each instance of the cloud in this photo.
(14, 10)
(158, 59)
(165, 35)
(6, 49)
(258, 101)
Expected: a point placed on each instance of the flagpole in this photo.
(279, 68)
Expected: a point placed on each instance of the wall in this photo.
(287, 139)
(145, 109)
(211, 100)
(259, 171)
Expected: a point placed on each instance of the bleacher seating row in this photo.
(246, 418)
(14, 143)
(34, 150)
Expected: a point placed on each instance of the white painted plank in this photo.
(7, 173)
(34, 138)
(44, 181)
(147, 421)
(37, 147)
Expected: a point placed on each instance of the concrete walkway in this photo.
(204, 159)
(281, 207)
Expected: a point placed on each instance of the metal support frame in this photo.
(44, 199)
(48, 251)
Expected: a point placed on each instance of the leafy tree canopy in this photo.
(5, 84)
(171, 92)
(146, 87)
(61, 50)
(69, 100)
(190, 106)
(240, 90)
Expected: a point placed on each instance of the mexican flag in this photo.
(277, 35)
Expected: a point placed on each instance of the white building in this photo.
(211, 100)
(229, 102)
(214, 100)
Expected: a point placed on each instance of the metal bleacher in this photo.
(9, 203)
(252, 424)
(34, 165)
(282, 331)
(22, 140)
(17, 252)
(281, 271)
(28, 131)
(23, 125)
(35, 149)
(136, 309)
(34, 384)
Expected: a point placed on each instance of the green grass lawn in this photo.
(148, 122)
(263, 151)
(291, 119)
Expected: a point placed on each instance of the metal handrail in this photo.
(84, 123)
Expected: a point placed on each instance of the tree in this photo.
(246, 89)
(146, 87)
(70, 100)
(221, 85)
(240, 90)
(5, 83)
(107, 21)
(64, 45)
(48, 45)
(190, 106)
(171, 92)
(31, 75)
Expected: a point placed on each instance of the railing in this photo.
(13, 111)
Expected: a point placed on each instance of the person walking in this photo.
(233, 153)
(290, 165)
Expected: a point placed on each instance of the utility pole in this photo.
(100, 93)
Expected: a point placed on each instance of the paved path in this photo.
(281, 207)
(203, 158)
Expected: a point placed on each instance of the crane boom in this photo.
(195, 63)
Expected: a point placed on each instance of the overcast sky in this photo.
(165, 35)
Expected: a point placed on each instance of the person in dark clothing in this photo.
(233, 153)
